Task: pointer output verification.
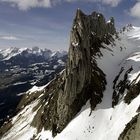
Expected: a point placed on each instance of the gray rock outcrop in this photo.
(82, 79)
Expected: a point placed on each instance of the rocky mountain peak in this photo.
(82, 80)
(74, 87)
(68, 92)
(79, 14)
(87, 26)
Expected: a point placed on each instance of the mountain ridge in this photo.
(7, 54)
(96, 95)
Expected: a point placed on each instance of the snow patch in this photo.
(22, 129)
(36, 89)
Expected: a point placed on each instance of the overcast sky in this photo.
(47, 23)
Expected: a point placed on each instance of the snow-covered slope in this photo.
(119, 60)
(106, 122)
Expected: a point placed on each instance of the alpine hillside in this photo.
(23, 68)
(96, 96)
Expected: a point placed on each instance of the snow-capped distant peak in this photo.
(58, 54)
(10, 52)
(46, 53)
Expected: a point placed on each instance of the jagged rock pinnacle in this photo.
(82, 78)
(79, 14)
(70, 94)
(96, 55)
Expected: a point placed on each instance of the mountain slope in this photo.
(21, 69)
(95, 97)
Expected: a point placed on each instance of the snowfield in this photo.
(105, 122)
(21, 129)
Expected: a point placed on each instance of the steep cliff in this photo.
(82, 80)
(93, 97)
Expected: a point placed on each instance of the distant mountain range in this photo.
(21, 69)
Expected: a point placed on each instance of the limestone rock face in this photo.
(82, 80)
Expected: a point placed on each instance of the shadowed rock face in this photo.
(132, 130)
(82, 79)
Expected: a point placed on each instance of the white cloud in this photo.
(112, 3)
(27, 4)
(7, 37)
(135, 10)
